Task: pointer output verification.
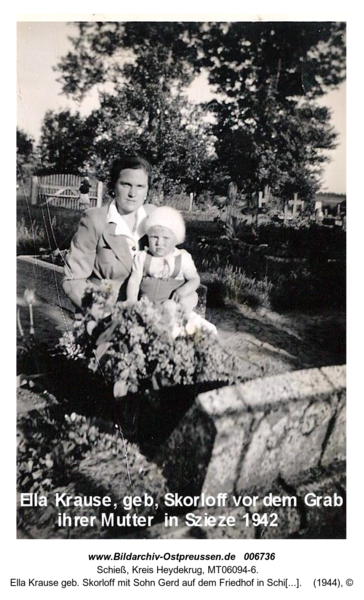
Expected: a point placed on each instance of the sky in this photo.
(41, 45)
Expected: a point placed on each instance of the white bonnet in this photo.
(165, 216)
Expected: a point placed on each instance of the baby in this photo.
(163, 272)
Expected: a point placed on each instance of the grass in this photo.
(45, 228)
(228, 284)
(30, 237)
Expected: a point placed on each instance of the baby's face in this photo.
(162, 241)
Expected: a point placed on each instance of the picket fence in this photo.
(63, 190)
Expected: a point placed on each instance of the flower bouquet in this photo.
(137, 349)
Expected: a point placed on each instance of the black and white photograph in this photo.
(181, 279)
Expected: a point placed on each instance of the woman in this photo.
(108, 237)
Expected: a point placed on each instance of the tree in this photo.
(178, 149)
(24, 145)
(24, 153)
(269, 128)
(66, 143)
(148, 64)
(151, 56)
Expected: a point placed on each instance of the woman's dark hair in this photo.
(128, 162)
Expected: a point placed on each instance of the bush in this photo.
(52, 447)
(305, 289)
(48, 448)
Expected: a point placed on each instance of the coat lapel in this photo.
(119, 245)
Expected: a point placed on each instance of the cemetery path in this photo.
(275, 343)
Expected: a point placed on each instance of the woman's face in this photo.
(131, 190)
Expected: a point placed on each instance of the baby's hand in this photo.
(170, 311)
(177, 296)
(127, 303)
(100, 311)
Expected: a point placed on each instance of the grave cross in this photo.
(295, 203)
(191, 202)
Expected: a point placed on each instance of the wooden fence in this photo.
(63, 190)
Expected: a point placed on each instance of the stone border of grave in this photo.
(283, 435)
(258, 431)
(46, 279)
